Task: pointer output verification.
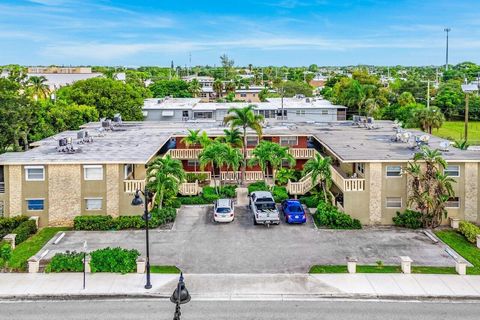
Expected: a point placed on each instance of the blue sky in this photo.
(261, 32)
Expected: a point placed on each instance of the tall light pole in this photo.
(467, 88)
(447, 30)
(137, 201)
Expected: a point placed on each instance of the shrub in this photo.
(193, 200)
(128, 222)
(162, 216)
(310, 201)
(408, 219)
(469, 230)
(24, 231)
(280, 194)
(66, 262)
(114, 260)
(8, 224)
(5, 252)
(258, 186)
(285, 174)
(192, 177)
(90, 223)
(329, 216)
(209, 194)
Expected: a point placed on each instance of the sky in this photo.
(258, 32)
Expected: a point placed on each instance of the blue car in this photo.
(293, 211)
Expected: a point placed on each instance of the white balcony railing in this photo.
(191, 154)
(130, 186)
(189, 188)
(235, 176)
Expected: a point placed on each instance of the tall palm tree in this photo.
(319, 167)
(430, 188)
(39, 86)
(233, 158)
(164, 174)
(204, 139)
(214, 155)
(230, 87)
(233, 137)
(192, 139)
(195, 88)
(244, 118)
(218, 88)
(270, 153)
(430, 118)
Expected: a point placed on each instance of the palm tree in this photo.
(38, 86)
(319, 167)
(279, 155)
(214, 154)
(233, 137)
(195, 88)
(164, 174)
(430, 118)
(204, 139)
(270, 153)
(233, 158)
(192, 139)
(244, 118)
(218, 88)
(230, 87)
(430, 188)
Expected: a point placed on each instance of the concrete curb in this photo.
(243, 297)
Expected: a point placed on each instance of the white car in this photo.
(223, 210)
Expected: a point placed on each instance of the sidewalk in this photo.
(243, 286)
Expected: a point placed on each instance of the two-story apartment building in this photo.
(298, 109)
(56, 183)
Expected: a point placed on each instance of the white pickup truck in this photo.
(263, 208)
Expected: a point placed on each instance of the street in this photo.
(199, 310)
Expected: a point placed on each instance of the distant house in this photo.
(61, 76)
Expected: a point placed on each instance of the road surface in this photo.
(233, 310)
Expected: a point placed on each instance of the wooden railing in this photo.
(347, 184)
(2, 187)
(235, 176)
(302, 153)
(191, 154)
(302, 186)
(130, 186)
(189, 188)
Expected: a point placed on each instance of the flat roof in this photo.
(138, 142)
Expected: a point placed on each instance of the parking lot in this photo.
(196, 244)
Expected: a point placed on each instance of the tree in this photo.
(405, 99)
(38, 87)
(170, 88)
(244, 118)
(233, 137)
(192, 139)
(233, 158)
(270, 153)
(319, 168)
(164, 174)
(430, 188)
(108, 96)
(214, 155)
(195, 88)
(450, 98)
(218, 88)
(293, 88)
(430, 118)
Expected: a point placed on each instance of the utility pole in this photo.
(447, 30)
(428, 94)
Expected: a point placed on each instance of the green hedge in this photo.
(5, 252)
(114, 260)
(279, 194)
(192, 177)
(310, 201)
(66, 262)
(329, 216)
(258, 186)
(469, 230)
(24, 231)
(408, 219)
(8, 224)
(209, 195)
(159, 217)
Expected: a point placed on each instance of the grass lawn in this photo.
(382, 269)
(31, 246)
(164, 269)
(454, 130)
(468, 250)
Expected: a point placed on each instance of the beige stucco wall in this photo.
(393, 187)
(64, 193)
(14, 174)
(113, 189)
(471, 191)
(375, 190)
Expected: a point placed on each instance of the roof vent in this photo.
(65, 145)
(117, 119)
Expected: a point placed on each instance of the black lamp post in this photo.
(180, 296)
(137, 201)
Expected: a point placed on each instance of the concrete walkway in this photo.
(243, 286)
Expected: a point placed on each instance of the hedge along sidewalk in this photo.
(31, 246)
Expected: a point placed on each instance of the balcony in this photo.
(186, 189)
(347, 184)
(192, 154)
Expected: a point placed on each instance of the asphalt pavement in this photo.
(233, 310)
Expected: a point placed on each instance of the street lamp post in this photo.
(447, 30)
(137, 201)
(180, 296)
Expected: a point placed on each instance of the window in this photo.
(394, 202)
(93, 204)
(452, 171)
(453, 202)
(203, 115)
(2, 210)
(300, 112)
(252, 141)
(35, 204)
(279, 113)
(243, 95)
(267, 114)
(35, 173)
(94, 172)
(360, 168)
(192, 163)
(128, 169)
(394, 171)
(288, 141)
(324, 112)
(185, 112)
